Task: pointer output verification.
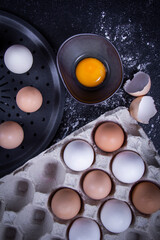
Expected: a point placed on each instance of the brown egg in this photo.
(66, 203)
(29, 99)
(97, 184)
(146, 197)
(11, 135)
(109, 136)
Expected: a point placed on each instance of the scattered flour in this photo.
(124, 34)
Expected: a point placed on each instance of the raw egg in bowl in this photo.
(90, 68)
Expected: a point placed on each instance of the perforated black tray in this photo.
(39, 127)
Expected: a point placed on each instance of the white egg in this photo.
(18, 59)
(78, 155)
(128, 167)
(116, 216)
(84, 228)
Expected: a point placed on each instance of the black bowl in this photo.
(83, 46)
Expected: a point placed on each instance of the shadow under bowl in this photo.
(81, 46)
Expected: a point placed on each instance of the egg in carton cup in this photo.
(33, 198)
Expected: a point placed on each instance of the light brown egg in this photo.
(109, 136)
(66, 203)
(97, 184)
(11, 135)
(146, 197)
(29, 99)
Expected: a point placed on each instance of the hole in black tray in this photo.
(13, 80)
(36, 77)
(3, 84)
(15, 89)
(21, 82)
(22, 147)
(5, 90)
(43, 119)
(28, 113)
(31, 122)
(42, 67)
(2, 66)
(21, 39)
(33, 52)
(9, 115)
(17, 114)
(13, 107)
(35, 134)
(1, 77)
(2, 111)
(48, 102)
(6, 30)
(7, 97)
(8, 72)
(28, 73)
(47, 84)
(7, 155)
(1, 57)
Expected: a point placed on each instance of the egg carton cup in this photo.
(24, 194)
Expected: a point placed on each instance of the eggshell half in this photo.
(139, 85)
(143, 109)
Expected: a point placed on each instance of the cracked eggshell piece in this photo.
(143, 109)
(139, 85)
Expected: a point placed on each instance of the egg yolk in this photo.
(90, 72)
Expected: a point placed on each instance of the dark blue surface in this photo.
(132, 26)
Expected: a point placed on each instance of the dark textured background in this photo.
(132, 26)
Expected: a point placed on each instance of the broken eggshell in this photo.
(139, 85)
(143, 109)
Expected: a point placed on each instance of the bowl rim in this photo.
(57, 62)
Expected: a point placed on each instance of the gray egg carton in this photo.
(24, 194)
